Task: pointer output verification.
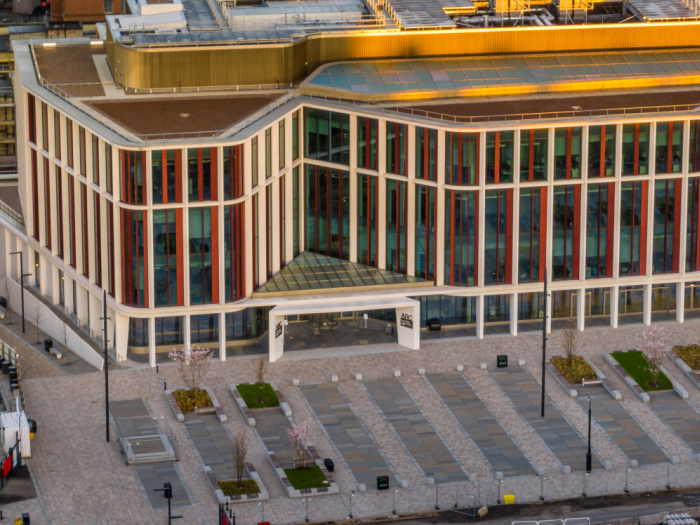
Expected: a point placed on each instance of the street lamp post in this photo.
(106, 364)
(21, 280)
(589, 458)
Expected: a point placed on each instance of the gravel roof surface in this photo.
(71, 68)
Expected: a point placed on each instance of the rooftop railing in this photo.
(12, 217)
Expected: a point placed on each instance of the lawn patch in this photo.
(690, 354)
(251, 396)
(576, 371)
(635, 364)
(308, 478)
(188, 399)
(232, 488)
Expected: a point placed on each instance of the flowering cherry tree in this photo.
(655, 350)
(299, 435)
(192, 365)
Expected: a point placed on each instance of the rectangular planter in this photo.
(179, 416)
(627, 378)
(240, 498)
(693, 375)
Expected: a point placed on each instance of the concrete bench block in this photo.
(540, 471)
(358, 377)
(608, 465)
(334, 379)
(472, 478)
(521, 362)
(566, 469)
(362, 487)
(251, 421)
(286, 409)
(499, 476)
(460, 368)
(675, 460)
(483, 366)
(430, 482)
(295, 382)
(634, 463)
(421, 371)
(404, 483)
(397, 373)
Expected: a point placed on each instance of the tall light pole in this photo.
(544, 338)
(21, 280)
(589, 458)
(106, 365)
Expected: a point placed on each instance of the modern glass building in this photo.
(453, 185)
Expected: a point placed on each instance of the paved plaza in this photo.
(446, 425)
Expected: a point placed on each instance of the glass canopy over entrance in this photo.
(310, 271)
(480, 76)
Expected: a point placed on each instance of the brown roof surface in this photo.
(596, 103)
(71, 68)
(160, 117)
(9, 195)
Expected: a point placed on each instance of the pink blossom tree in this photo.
(299, 435)
(192, 365)
(655, 350)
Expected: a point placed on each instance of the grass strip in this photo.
(636, 366)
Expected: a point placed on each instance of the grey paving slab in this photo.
(271, 425)
(133, 418)
(154, 476)
(213, 445)
(416, 432)
(622, 428)
(568, 447)
(347, 433)
(481, 425)
(680, 415)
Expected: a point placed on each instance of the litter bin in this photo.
(328, 462)
(434, 325)
(48, 345)
(32, 425)
(5, 367)
(25, 518)
(3, 302)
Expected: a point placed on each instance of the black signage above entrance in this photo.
(407, 321)
(278, 330)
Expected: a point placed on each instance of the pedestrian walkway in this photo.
(555, 431)
(680, 415)
(622, 428)
(347, 433)
(152, 477)
(414, 430)
(271, 425)
(480, 424)
(213, 445)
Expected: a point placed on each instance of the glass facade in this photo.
(669, 147)
(667, 226)
(167, 258)
(462, 158)
(396, 135)
(367, 219)
(426, 153)
(134, 267)
(532, 240)
(533, 155)
(246, 324)
(201, 174)
(635, 149)
(367, 137)
(328, 211)
(566, 232)
(204, 274)
(426, 228)
(396, 220)
(461, 229)
(498, 239)
(327, 136)
(450, 310)
(166, 169)
(601, 151)
(633, 228)
(499, 157)
(204, 329)
(600, 226)
(692, 250)
(170, 332)
(133, 177)
(567, 153)
(233, 172)
(694, 147)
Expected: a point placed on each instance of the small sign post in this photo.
(382, 482)
(502, 361)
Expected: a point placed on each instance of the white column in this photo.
(222, 334)
(582, 230)
(616, 231)
(614, 303)
(680, 302)
(440, 210)
(276, 238)
(289, 214)
(584, 153)
(411, 191)
(408, 326)
(381, 233)
(186, 328)
(121, 333)
(514, 314)
(480, 317)
(275, 336)
(647, 304)
(581, 309)
(353, 188)
(152, 342)
(248, 212)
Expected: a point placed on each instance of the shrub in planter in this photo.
(236, 488)
(575, 369)
(690, 354)
(189, 399)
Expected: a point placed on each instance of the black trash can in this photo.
(3, 302)
(25, 518)
(14, 385)
(5, 367)
(32, 425)
(330, 466)
(48, 345)
(13, 376)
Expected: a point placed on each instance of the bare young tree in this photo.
(569, 340)
(192, 365)
(240, 452)
(260, 377)
(37, 316)
(8, 296)
(655, 350)
(64, 332)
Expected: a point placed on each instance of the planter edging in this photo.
(685, 368)
(627, 378)
(177, 411)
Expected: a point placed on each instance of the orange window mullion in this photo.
(568, 153)
(636, 149)
(677, 227)
(180, 263)
(497, 160)
(213, 166)
(577, 229)
(509, 235)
